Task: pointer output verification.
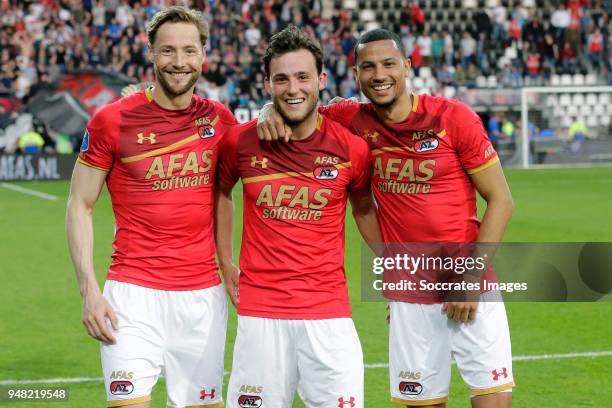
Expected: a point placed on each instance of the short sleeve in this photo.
(98, 146)
(471, 141)
(361, 164)
(225, 115)
(341, 112)
(227, 168)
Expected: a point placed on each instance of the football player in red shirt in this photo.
(431, 155)
(163, 309)
(295, 330)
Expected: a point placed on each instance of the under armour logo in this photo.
(263, 162)
(142, 138)
(342, 402)
(372, 135)
(203, 394)
(497, 374)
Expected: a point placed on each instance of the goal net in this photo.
(566, 125)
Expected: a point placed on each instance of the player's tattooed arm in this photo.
(271, 125)
(224, 237)
(85, 188)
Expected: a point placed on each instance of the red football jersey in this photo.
(295, 194)
(421, 168)
(161, 166)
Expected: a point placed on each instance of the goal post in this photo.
(566, 125)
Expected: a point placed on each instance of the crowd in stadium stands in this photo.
(41, 39)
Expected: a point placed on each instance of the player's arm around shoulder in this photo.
(86, 184)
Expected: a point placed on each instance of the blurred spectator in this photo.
(417, 16)
(595, 47)
(467, 49)
(560, 21)
(494, 128)
(31, 142)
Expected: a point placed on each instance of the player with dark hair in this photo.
(430, 156)
(163, 309)
(294, 320)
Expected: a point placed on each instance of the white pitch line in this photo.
(587, 354)
(29, 191)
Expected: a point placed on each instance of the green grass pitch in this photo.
(41, 335)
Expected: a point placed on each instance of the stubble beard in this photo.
(167, 88)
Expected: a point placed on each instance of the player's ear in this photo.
(150, 55)
(322, 80)
(407, 65)
(267, 86)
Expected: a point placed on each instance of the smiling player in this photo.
(163, 297)
(294, 320)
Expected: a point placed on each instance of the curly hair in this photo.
(288, 40)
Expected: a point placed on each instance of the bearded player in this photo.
(295, 330)
(430, 156)
(163, 309)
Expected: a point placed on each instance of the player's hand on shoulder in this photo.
(271, 126)
(338, 99)
(97, 314)
(231, 277)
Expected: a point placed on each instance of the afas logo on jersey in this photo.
(410, 388)
(426, 145)
(325, 173)
(85, 143)
(121, 387)
(250, 401)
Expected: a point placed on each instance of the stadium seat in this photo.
(592, 121)
(578, 80)
(492, 81)
(418, 82)
(555, 80)
(565, 100)
(566, 121)
(371, 25)
(599, 110)
(426, 91)
(481, 82)
(449, 92)
(431, 83)
(425, 72)
(605, 120)
(585, 110)
(367, 15)
(559, 111)
(591, 79)
(604, 99)
(572, 110)
(552, 100)
(566, 80)
(591, 99)
(349, 4)
(578, 99)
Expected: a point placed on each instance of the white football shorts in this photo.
(423, 342)
(180, 334)
(321, 359)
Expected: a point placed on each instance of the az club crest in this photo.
(325, 173)
(206, 131)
